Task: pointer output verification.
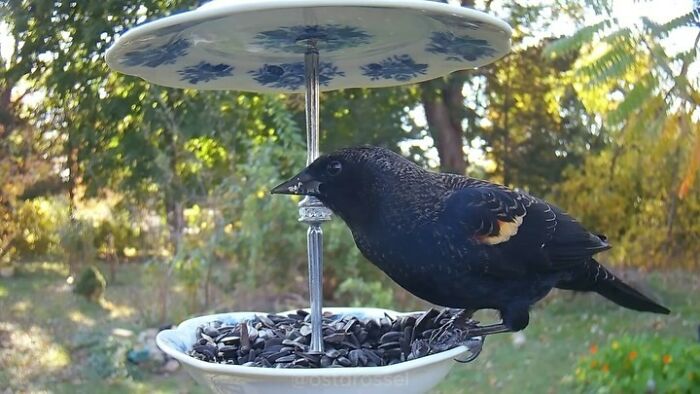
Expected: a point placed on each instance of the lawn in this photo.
(54, 341)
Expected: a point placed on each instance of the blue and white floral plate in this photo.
(259, 45)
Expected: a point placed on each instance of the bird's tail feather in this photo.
(625, 295)
(605, 283)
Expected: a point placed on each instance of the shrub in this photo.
(38, 222)
(107, 358)
(641, 364)
(113, 236)
(91, 284)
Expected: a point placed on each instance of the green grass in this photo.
(47, 336)
(562, 329)
(47, 333)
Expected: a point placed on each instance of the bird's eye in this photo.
(333, 168)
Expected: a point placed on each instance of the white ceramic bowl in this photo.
(415, 376)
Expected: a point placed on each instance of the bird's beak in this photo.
(301, 184)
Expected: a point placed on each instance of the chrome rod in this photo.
(311, 210)
(311, 65)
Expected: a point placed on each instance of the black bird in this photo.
(457, 241)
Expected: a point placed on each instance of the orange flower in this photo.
(667, 358)
(593, 349)
(606, 367)
(632, 355)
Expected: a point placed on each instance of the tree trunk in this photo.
(176, 220)
(113, 257)
(443, 103)
(173, 184)
(207, 283)
(73, 177)
(438, 98)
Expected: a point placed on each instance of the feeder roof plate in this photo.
(259, 45)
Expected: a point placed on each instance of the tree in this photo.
(647, 101)
(119, 132)
(535, 127)
(515, 110)
(23, 148)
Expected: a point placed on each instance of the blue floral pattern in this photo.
(401, 68)
(291, 75)
(329, 38)
(153, 57)
(205, 72)
(459, 48)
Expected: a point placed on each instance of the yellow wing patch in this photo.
(506, 230)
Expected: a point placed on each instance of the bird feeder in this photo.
(309, 46)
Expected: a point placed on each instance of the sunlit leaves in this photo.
(693, 166)
(575, 42)
(634, 99)
(643, 188)
(532, 115)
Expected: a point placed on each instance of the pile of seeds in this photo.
(277, 341)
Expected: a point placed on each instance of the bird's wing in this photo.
(526, 234)
(490, 213)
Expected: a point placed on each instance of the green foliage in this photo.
(41, 221)
(118, 234)
(107, 359)
(530, 115)
(190, 268)
(267, 240)
(631, 61)
(635, 99)
(77, 242)
(576, 41)
(641, 188)
(636, 364)
(361, 293)
(367, 116)
(617, 193)
(91, 284)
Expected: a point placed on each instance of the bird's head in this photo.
(348, 181)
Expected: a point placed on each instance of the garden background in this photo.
(165, 192)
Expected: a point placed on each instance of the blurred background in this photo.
(127, 207)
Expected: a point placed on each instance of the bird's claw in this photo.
(466, 332)
(475, 346)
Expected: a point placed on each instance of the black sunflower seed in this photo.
(391, 336)
(275, 341)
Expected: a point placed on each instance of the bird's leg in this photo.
(480, 331)
(460, 319)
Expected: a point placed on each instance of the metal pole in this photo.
(311, 210)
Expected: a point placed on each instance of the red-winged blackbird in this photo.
(457, 241)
